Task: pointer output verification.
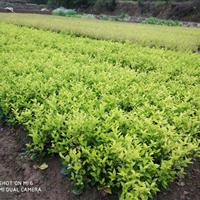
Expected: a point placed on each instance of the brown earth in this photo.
(185, 188)
(15, 166)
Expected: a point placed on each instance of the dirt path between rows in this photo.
(19, 175)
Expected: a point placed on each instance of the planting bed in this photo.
(16, 166)
(174, 38)
(123, 118)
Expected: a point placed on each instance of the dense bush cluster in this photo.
(122, 117)
(156, 21)
(64, 12)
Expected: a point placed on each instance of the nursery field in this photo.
(174, 38)
(122, 117)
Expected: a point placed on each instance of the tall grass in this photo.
(176, 38)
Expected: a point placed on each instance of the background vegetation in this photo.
(75, 3)
(98, 4)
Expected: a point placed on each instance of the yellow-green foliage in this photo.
(122, 117)
(177, 38)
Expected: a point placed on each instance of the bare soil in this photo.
(50, 184)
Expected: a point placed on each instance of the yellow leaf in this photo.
(108, 190)
(43, 166)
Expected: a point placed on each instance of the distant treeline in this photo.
(98, 4)
(104, 4)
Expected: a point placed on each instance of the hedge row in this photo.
(122, 117)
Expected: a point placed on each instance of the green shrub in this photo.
(156, 21)
(64, 12)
